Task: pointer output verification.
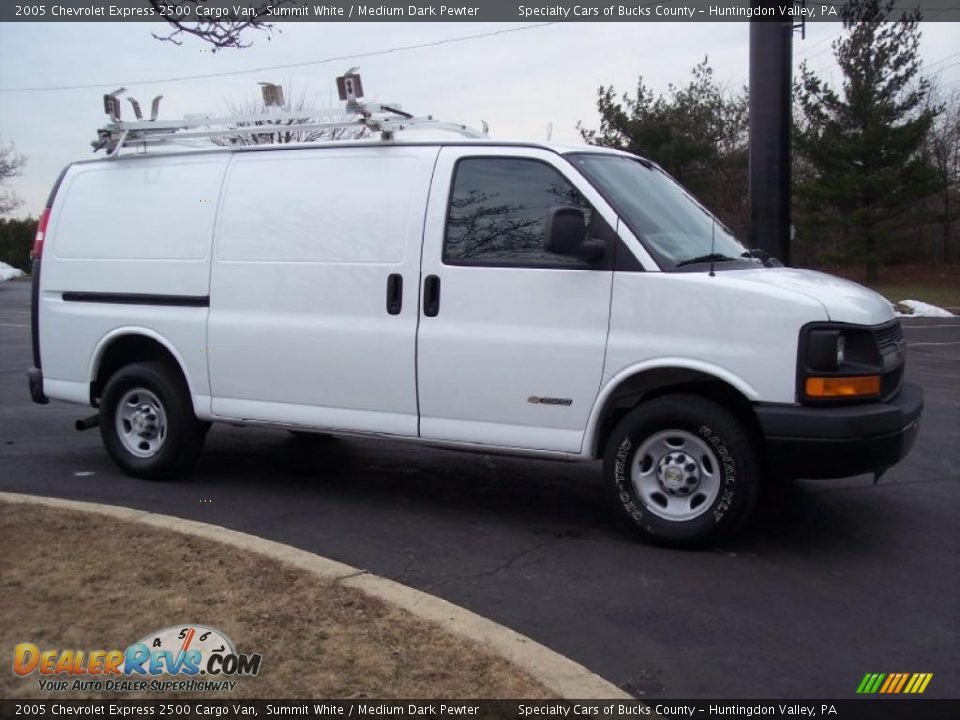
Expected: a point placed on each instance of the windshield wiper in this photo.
(709, 257)
(763, 256)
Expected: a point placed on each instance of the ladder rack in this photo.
(374, 117)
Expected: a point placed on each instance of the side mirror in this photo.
(565, 234)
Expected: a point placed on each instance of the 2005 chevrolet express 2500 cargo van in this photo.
(524, 298)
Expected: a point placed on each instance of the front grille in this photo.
(889, 339)
(888, 335)
(890, 383)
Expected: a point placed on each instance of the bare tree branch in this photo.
(11, 166)
(222, 29)
(274, 133)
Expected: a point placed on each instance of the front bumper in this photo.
(35, 378)
(835, 442)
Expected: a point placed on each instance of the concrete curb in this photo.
(563, 676)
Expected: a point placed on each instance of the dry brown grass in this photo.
(73, 580)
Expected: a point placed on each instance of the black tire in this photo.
(184, 434)
(722, 455)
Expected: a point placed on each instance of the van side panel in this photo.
(128, 250)
(307, 242)
(513, 357)
(740, 332)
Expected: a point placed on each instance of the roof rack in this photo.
(374, 117)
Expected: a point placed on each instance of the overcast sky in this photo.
(518, 82)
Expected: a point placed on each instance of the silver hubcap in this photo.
(676, 474)
(141, 423)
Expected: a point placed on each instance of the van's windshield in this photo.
(677, 229)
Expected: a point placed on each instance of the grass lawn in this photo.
(938, 284)
(941, 295)
(80, 581)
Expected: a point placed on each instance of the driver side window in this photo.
(498, 209)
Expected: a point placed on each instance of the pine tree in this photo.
(697, 132)
(861, 146)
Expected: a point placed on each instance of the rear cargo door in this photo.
(313, 306)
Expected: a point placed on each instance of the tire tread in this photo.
(185, 433)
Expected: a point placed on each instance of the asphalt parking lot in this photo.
(835, 579)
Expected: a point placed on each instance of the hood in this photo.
(843, 300)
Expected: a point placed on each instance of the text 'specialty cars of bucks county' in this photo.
(525, 298)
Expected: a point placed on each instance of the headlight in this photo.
(838, 362)
(825, 349)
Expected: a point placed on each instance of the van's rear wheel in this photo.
(147, 421)
(683, 469)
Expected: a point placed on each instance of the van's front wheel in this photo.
(683, 469)
(147, 421)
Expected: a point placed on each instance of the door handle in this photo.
(394, 293)
(431, 296)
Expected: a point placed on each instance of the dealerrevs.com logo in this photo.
(182, 658)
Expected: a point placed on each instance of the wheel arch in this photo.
(123, 346)
(631, 386)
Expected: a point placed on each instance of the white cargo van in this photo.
(559, 302)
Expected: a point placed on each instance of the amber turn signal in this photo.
(835, 387)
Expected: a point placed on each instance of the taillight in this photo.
(37, 251)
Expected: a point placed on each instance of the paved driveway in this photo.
(834, 580)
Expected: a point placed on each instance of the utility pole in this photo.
(771, 81)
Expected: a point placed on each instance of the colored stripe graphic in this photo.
(894, 683)
(867, 683)
(901, 683)
(919, 683)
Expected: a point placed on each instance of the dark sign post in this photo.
(771, 50)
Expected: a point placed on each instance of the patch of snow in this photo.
(9, 273)
(915, 308)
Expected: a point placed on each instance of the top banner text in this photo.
(270, 11)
